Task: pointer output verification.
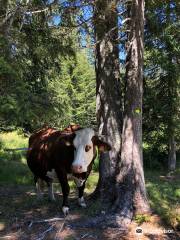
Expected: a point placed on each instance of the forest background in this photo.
(47, 74)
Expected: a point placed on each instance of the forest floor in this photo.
(20, 211)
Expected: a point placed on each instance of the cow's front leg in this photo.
(65, 191)
(81, 201)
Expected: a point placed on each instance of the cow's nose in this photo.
(77, 168)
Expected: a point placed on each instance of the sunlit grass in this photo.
(13, 168)
(164, 196)
(13, 139)
(92, 182)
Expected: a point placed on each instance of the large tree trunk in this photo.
(130, 180)
(121, 182)
(108, 102)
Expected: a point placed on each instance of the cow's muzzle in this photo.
(77, 169)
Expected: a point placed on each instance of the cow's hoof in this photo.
(65, 210)
(82, 202)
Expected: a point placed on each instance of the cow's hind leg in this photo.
(39, 187)
(81, 201)
(50, 190)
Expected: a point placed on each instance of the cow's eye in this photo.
(87, 148)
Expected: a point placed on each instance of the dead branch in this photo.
(45, 221)
(126, 20)
(42, 235)
(58, 232)
(87, 235)
(37, 11)
(122, 13)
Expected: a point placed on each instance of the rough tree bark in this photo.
(130, 180)
(121, 182)
(108, 104)
(121, 171)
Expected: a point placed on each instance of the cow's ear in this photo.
(101, 144)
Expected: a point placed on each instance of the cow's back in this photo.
(41, 135)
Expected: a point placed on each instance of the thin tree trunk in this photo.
(172, 95)
(108, 104)
(172, 153)
(130, 180)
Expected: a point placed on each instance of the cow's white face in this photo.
(83, 153)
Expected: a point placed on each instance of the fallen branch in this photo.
(86, 235)
(37, 11)
(45, 221)
(45, 232)
(42, 235)
(56, 237)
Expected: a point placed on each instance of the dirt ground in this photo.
(20, 212)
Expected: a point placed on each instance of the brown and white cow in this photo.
(54, 153)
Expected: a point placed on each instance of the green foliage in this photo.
(45, 78)
(72, 93)
(141, 218)
(84, 85)
(30, 49)
(161, 98)
(6, 68)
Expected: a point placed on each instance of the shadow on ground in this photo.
(20, 211)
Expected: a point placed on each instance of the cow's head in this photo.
(85, 143)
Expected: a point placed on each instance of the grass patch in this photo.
(92, 182)
(13, 139)
(13, 168)
(163, 193)
(15, 173)
(141, 218)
